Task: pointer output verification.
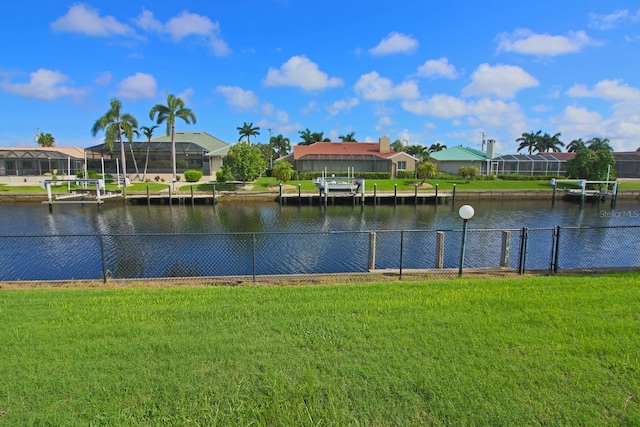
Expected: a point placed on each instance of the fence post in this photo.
(104, 267)
(372, 251)
(401, 251)
(556, 252)
(506, 246)
(523, 250)
(440, 249)
(253, 260)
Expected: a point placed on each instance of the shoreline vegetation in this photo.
(270, 187)
(543, 350)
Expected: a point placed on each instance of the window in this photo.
(402, 165)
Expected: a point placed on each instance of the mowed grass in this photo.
(519, 351)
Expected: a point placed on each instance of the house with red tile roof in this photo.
(342, 157)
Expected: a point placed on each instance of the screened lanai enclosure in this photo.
(156, 156)
(194, 150)
(343, 163)
(39, 161)
(543, 164)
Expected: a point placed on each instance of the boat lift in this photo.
(582, 191)
(86, 196)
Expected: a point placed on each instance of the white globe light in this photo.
(466, 212)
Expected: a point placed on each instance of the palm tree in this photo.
(247, 131)
(436, 147)
(281, 145)
(130, 133)
(419, 151)
(309, 137)
(350, 137)
(528, 141)
(319, 137)
(576, 145)
(168, 113)
(598, 144)
(148, 132)
(45, 139)
(115, 125)
(546, 143)
(397, 145)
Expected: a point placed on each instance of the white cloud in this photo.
(500, 80)
(342, 105)
(434, 68)
(395, 43)
(527, 42)
(103, 78)
(441, 105)
(613, 90)
(375, 88)
(299, 71)
(238, 98)
(186, 95)
(80, 19)
(43, 84)
(138, 86)
(612, 20)
(186, 25)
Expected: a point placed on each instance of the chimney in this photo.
(385, 144)
(491, 149)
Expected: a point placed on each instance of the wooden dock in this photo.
(340, 198)
(172, 199)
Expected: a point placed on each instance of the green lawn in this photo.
(518, 351)
(271, 184)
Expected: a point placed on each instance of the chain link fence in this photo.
(268, 256)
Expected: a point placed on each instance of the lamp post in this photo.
(466, 213)
(270, 151)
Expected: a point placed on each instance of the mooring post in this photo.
(395, 194)
(436, 193)
(375, 194)
(453, 196)
(415, 195)
(440, 249)
(280, 194)
(148, 196)
(192, 201)
(372, 251)
(299, 195)
(504, 250)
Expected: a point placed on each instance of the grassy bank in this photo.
(271, 185)
(521, 351)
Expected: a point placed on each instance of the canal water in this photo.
(248, 216)
(264, 238)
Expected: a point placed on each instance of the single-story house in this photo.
(450, 160)
(39, 161)
(194, 150)
(343, 157)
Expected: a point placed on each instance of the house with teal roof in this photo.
(450, 160)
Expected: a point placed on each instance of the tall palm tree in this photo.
(598, 144)
(281, 145)
(397, 145)
(319, 137)
(115, 125)
(148, 132)
(546, 143)
(350, 137)
(168, 113)
(45, 140)
(576, 145)
(247, 131)
(307, 138)
(419, 151)
(436, 147)
(528, 141)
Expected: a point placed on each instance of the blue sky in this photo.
(420, 71)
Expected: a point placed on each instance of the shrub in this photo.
(192, 175)
(405, 174)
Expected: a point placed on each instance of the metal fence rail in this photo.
(256, 255)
